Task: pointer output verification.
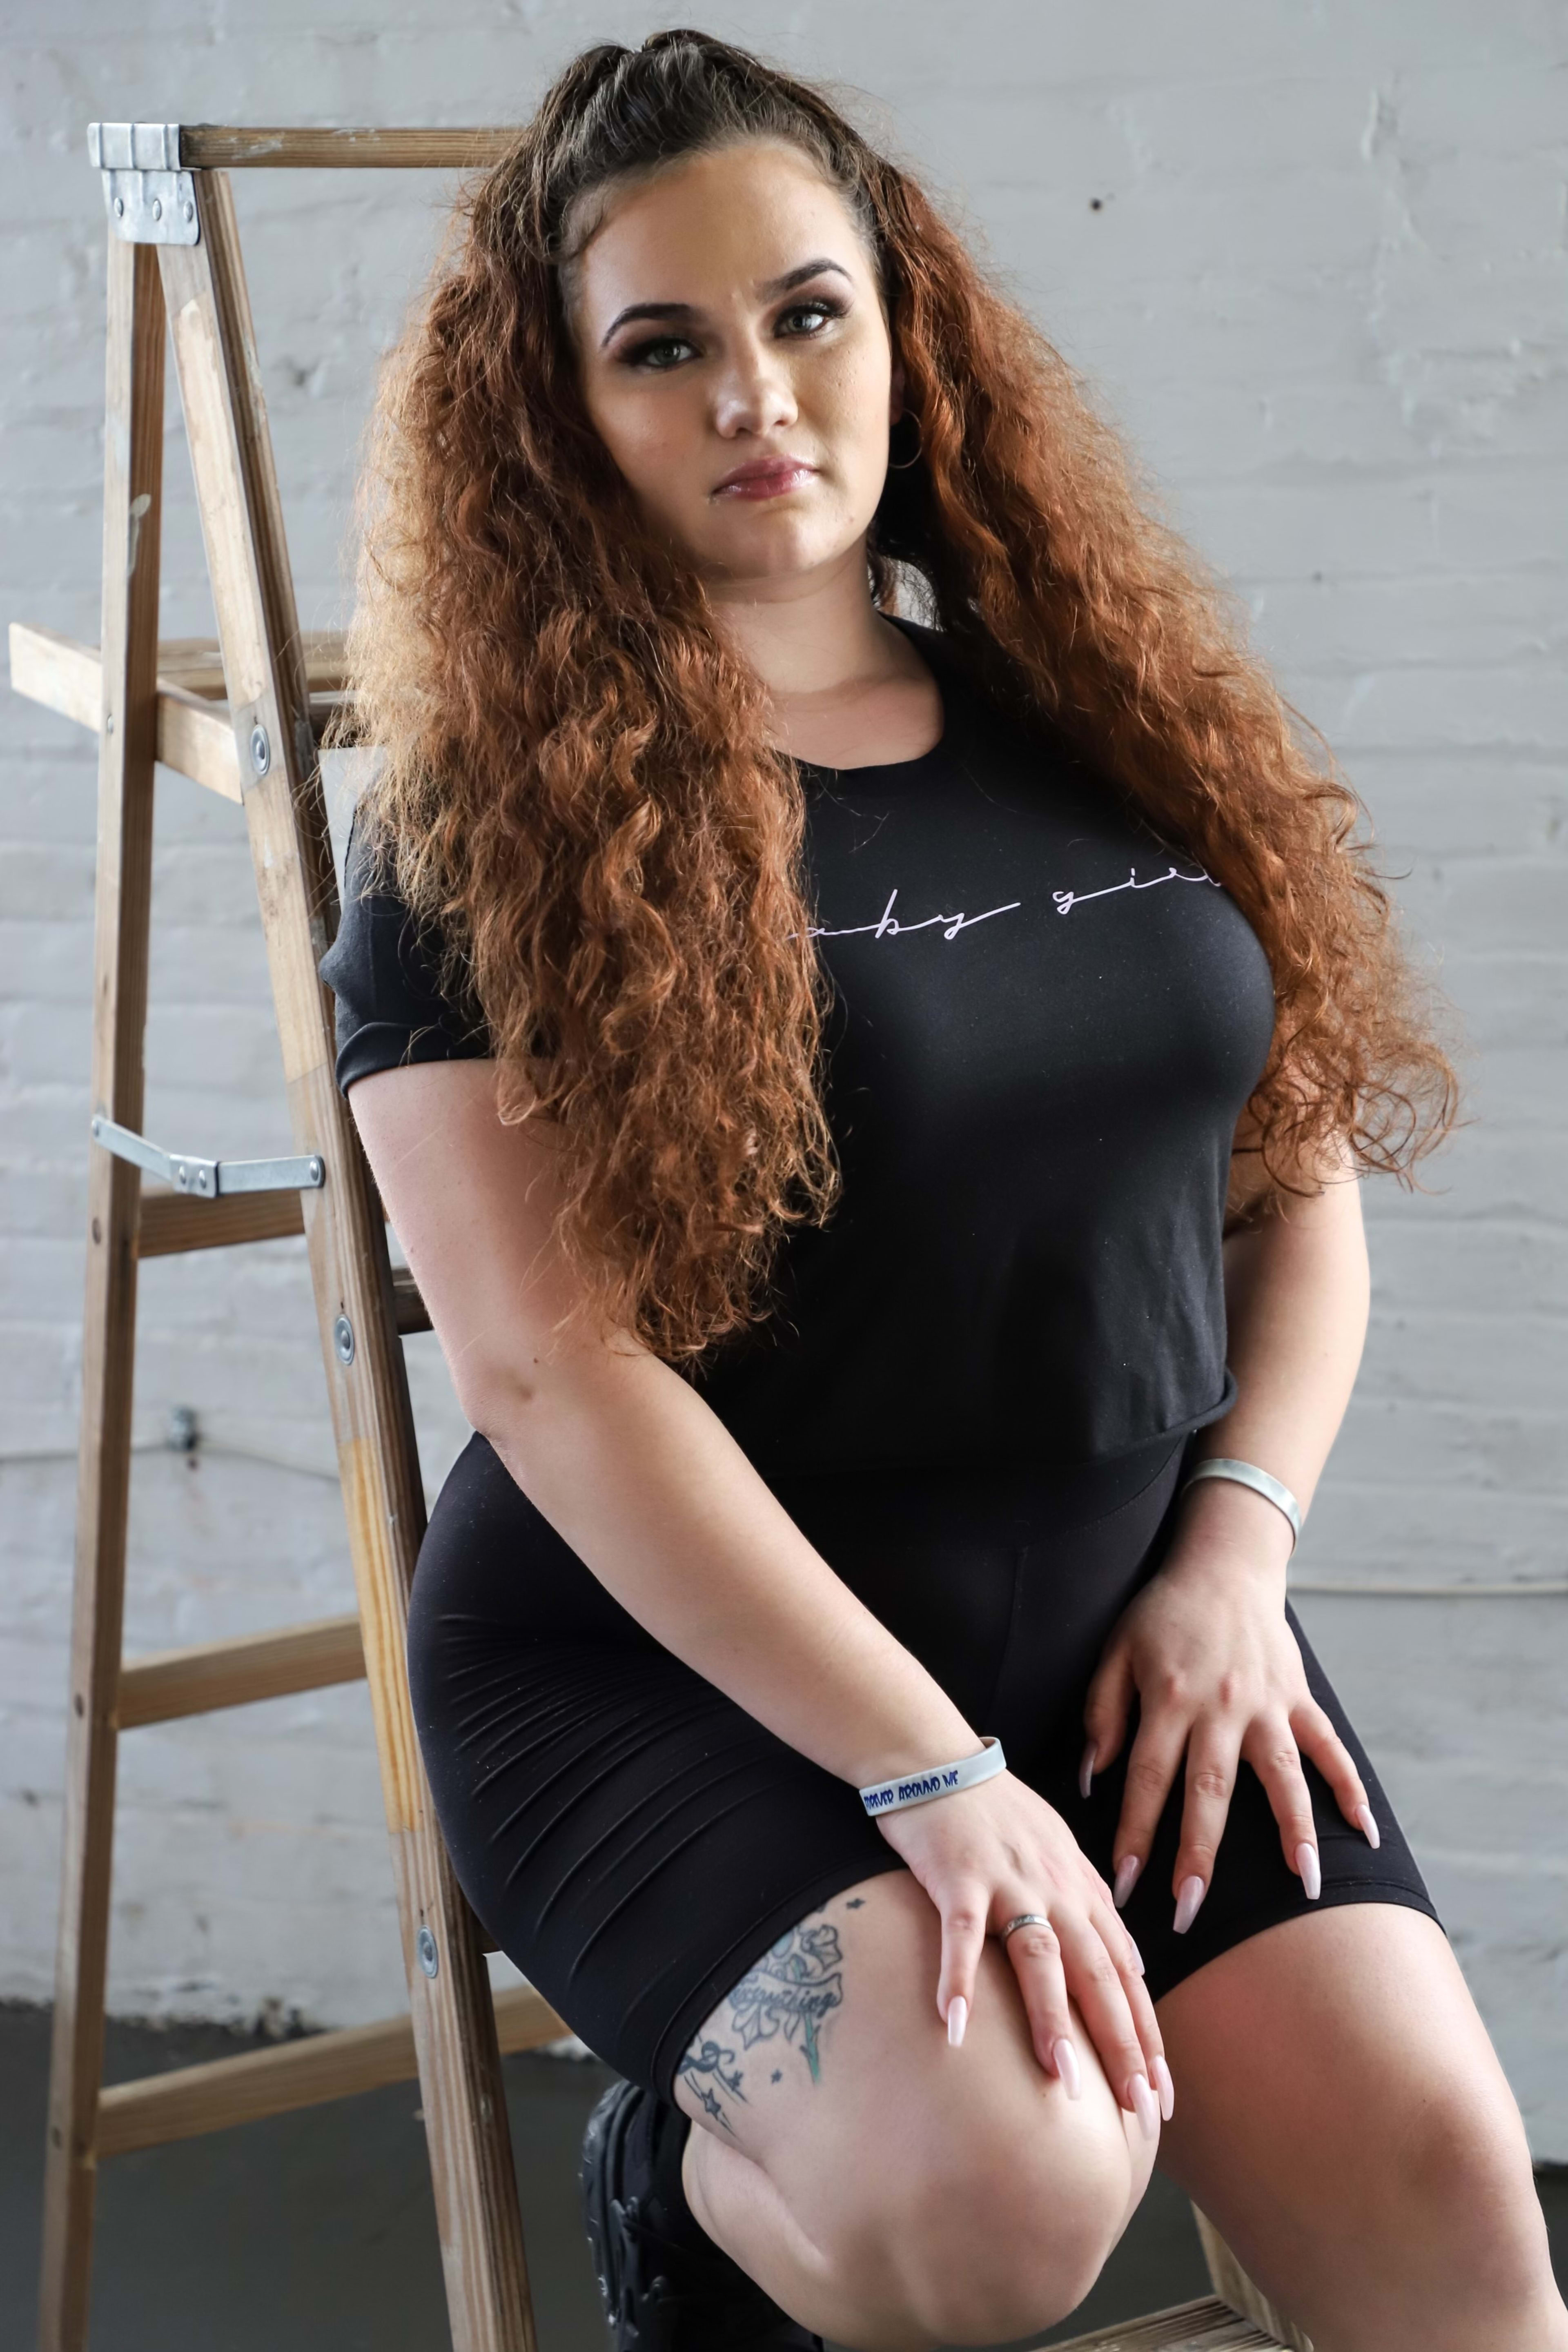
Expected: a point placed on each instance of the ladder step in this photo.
(411, 1311)
(305, 2074)
(173, 1220)
(1207, 2326)
(195, 734)
(174, 1683)
(208, 146)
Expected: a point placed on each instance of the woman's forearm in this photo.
(645, 1483)
(1296, 1295)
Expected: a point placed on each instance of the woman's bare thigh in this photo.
(1342, 2116)
(829, 2057)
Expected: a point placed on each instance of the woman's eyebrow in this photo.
(768, 292)
(793, 277)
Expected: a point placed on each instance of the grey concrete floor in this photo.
(317, 2231)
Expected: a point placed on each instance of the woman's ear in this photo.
(896, 393)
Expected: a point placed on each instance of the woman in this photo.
(807, 1057)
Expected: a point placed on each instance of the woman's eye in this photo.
(816, 313)
(659, 353)
(662, 352)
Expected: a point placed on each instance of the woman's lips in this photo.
(769, 478)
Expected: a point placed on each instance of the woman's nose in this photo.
(753, 393)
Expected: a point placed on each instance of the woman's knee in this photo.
(990, 2232)
(1464, 2182)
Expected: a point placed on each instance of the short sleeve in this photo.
(383, 971)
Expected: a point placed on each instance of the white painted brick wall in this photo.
(1314, 261)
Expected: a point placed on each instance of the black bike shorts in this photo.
(634, 1841)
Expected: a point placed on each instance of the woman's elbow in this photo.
(495, 1388)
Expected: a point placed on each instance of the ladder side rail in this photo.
(450, 1999)
(1235, 2286)
(132, 493)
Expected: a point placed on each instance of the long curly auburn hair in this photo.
(578, 795)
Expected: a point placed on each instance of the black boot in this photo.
(667, 2286)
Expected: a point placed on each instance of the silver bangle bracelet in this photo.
(939, 1780)
(1247, 1474)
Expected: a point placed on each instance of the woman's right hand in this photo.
(984, 1855)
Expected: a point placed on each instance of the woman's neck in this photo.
(847, 688)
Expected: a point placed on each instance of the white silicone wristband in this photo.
(941, 1780)
(1247, 1474)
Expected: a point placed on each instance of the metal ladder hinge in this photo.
(205, 1179)
(149, 199)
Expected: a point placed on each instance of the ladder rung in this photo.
(1205, 2325)
(234, 1674)
(304, 2074)
(195, 734)
(411, 1311)
(173, 1220)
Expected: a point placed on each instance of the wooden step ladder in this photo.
(244, 717)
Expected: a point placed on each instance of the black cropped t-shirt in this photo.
(1045, 1023)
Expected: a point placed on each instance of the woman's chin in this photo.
(781, 549)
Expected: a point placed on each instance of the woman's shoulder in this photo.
(385, 970)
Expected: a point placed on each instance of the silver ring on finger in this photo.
(1026, 1919)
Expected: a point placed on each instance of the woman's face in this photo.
(735, 358)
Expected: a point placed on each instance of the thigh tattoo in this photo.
(783, 1996)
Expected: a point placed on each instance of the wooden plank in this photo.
(207, 146)
(180, 1220)
(196, 663)
(453, 2016)
(411, 1312)
(1234, 2286)
(1205, 2325)
(133, 443)
(192, 735)
(174, 1220)
(60, 672)
(195, 2100)
(195, 740)
(212, 1674)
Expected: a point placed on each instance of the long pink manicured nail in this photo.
(957, 2019)
(1366, 1821)
(1137, 1958)
(1127, 1871)
(1065, 2058)
(1086, 1769)
(1311, 1875)
(1165, 2088)
(1189, 1895)
(1145, 2106)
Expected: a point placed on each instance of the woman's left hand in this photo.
(1218, 1675)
